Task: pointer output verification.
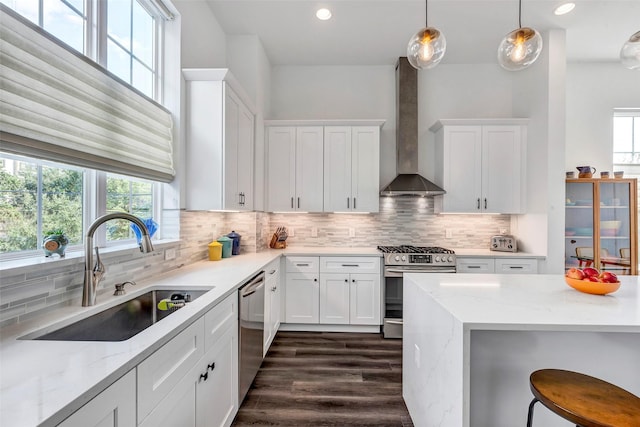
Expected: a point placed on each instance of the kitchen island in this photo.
(471, 341)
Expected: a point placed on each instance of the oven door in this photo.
(392, 325)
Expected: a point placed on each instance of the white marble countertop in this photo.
(486, 253)
(532, 302)
(43, 382)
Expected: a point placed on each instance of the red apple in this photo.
(575, 273)
(608, 277)
(590, 272)
(591, 279)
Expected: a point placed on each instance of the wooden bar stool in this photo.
(583, 400)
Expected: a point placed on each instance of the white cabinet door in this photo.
(219, 143)
(217, 383)
(281, 168)
(462, 169)
(302, 298)
(365, 169)
(178, 408)
(364, 299)
(271, 303)
(114, 407)
(337, 169)
(351, 168)
(309, 169)
(334, 299)
(501, 169)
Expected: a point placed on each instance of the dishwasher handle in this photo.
(253, 285)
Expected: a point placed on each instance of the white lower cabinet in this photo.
(272, 297)
(114, 407)
(342, 291)
(176, 389)
(497, 265)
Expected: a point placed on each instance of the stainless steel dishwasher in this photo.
(251, 325)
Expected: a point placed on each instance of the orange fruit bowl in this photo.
(595, 288)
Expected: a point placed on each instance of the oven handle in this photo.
(400, 271)
(394, 322)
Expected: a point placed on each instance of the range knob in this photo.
(397, 258)
(437, 259)
(404, 258)
(450, 259)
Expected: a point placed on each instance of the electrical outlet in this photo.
(352, 232)
(169, 254)
(503, 231)
(314, 231)
(448, 233)
(291, 232)
(416, 355)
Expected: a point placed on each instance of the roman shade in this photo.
(55, 104)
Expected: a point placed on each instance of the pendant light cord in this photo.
(426, 13)
(520, 13)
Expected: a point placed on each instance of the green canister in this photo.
(226, 246)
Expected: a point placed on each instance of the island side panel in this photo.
(501, 362)
(432, 361)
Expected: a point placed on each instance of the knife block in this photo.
(275, 244)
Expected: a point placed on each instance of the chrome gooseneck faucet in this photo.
(93, 274)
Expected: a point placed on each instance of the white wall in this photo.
(593, 91)
(203, 40)
(340, 92)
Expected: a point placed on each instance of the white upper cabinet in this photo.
(351, 168)
(294, 168)
(220, 142)
(480, 164)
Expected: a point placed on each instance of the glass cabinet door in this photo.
(601, 224)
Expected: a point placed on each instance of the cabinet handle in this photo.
(354, 203)
(473, 266)
(203, 377)
(274, 289)
(298, 202)
(292, 203)
(315, 280)
(516, 267)
(272, 271)
(211, 366)
(485, 203)
(347, 203)
(351, 265)
(302, 265)
(353, 280)
(478, 204)
(346, 280)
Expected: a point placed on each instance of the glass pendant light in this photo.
(630, 52)
(426, 48)
(520, 48)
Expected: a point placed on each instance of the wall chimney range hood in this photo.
(408, 182)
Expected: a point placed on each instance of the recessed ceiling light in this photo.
(564, 8)
(323, 14)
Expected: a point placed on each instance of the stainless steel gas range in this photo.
(408, 259)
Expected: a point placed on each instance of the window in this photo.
(35, 198)
(626, 137)
(131, 35)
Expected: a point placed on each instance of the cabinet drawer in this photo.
(272, 268)
(475, 265)
(298, 264)
(350, 265)
(219, 319)
(517, 266)
(161, 372)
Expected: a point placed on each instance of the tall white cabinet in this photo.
(351, 168)
(481, 165)
(220, 135)
(323, 166)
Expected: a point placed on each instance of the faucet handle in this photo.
(120, 287)
(98, 268)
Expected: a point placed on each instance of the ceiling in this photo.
(376, 32)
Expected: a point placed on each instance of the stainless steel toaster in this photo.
(504, 243)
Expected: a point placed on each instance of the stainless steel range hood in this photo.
(408, 182)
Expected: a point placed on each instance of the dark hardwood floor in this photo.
(327, 379)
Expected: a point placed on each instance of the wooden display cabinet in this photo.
(601, 224)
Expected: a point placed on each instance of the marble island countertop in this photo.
(43, 382)
(539, 301)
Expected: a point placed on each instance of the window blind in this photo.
(57, 105)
